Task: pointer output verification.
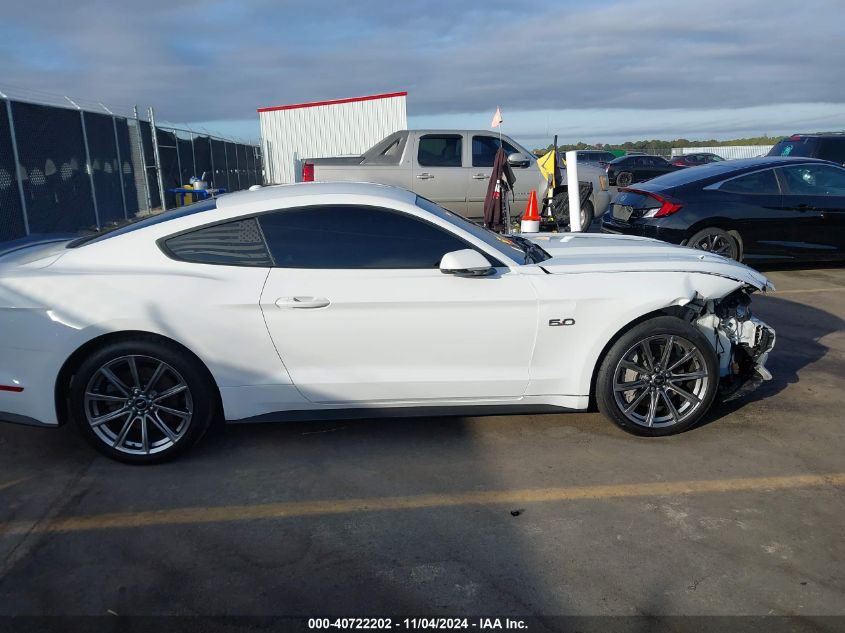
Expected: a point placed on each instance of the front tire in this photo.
(142, 401)
(658, 379)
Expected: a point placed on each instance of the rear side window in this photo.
(389, 154)
(484, 150)
(804, 147)
(354, 237)
(237, 243)
(760, 182)
(440, 150)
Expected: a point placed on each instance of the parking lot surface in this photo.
(538, 514)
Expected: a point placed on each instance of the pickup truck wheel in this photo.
(560, 209)
(659, 378)
(587, 215)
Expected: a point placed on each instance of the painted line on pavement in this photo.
(9, 484)
(298, 509)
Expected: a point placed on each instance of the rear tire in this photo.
(624, 179)
(142, 401)
(715, 240)
(658, 379)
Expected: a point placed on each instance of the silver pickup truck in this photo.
(452, 168)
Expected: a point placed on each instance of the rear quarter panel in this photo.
(212, 310)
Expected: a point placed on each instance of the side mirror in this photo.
(466, 262)
(519, 160)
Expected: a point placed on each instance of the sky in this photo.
(593, 71)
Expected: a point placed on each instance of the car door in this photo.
(484, 148)
(658, 166)
(815, 194)
(438, 173)
(640, 167)
(754, 204)
(360, 312)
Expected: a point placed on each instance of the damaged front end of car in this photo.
(741, 340)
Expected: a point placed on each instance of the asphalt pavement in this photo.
(509, 515)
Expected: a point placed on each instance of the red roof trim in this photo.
(294, 106)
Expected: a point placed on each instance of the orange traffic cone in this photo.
(531, 219)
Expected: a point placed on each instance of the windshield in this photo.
(127, 226)
(520, 148)
(515, 247)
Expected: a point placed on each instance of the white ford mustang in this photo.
(320, 300)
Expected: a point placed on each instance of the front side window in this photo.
(237, 243)
(760, 182)
(354, 237)
(484, 150)
(814, 180)
(440, 150)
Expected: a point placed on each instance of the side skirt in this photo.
(309, 415)
(14, 418)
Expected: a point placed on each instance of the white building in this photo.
(343, 127)
(728, 152)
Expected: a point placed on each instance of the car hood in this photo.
(591, 252)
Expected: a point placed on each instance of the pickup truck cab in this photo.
(449, 167)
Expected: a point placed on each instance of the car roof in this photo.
(288, 193)
(262, 199)
(627, 156)
(815, 135)
(721, 169)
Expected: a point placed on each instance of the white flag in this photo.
(497, 119)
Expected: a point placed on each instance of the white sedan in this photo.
(323, 300)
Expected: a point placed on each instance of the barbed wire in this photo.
(72, 102)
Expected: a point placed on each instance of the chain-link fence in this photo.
(65, 169)
(223, 164)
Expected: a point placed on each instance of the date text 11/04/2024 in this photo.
(418, 623)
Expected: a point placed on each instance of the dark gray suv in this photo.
(595, 156)
(825, 146)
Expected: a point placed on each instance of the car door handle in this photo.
(425, 176)
(805, 207)
(481, 176)
(302, 302)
